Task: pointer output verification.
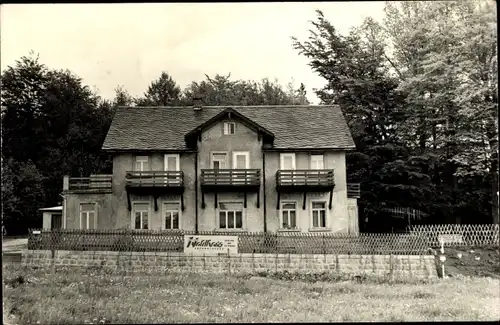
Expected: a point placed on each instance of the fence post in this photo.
(324, 248)
(409, 266)
(53, 252)
(276, 263)
(391, 266)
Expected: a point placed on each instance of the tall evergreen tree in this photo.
(161, 92)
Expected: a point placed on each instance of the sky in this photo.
(130, 44)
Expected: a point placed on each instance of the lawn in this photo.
(79, 296)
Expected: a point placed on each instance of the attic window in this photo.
(229, 128)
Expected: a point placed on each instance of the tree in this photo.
(477, 96)
(302, 95)
(23, 87)
(52, 126)
(221, 90)
(162, 92)
(419, 93)
(448, 51)
(359, 80)
(122, 97)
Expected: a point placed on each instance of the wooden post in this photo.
(391, 266)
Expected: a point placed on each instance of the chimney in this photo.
(197, 103)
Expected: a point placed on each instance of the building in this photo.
(243, 168)
(52, 217)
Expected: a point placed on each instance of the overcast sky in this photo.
(130, 44)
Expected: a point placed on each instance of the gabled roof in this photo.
(164, 128)
(234, 114)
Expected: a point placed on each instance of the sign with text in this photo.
(451, 239)
(203, 244)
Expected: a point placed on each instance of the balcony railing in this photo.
(94, 183)
(156, 179)
(353, 190)
(230, 177)
(305, 179)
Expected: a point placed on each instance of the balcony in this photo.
(93, 184)
(154, 183)
(305, 180)
(159, 181)
(353, 190)
(230, 180)
(219, 180)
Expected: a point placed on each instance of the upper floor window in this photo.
(241, 160)
(219, 160)
(141, 163)
(287, 161)
(229, 128)
(172, 162)
(87, 216)
(317, 162)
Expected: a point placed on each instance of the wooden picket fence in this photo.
(458, 235)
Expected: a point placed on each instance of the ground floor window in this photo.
(319, 214)
(140, 213)
(171, 212)
(288, 215)
(87, 216)
(230, 215)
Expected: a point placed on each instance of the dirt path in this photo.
(472, 262)
(14, 245)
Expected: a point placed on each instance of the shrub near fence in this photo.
(458, 235)
(281, 243)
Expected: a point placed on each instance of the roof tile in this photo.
(163, 128)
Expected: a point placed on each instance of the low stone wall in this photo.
(399, 266)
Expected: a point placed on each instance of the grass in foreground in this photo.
(78, 296)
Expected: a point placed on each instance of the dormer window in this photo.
(229, 128)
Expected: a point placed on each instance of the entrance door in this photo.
(172, 165)
(287, 164)
(56, 222)
(241, 161)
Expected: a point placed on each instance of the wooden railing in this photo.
(230, 177)
(353, 190)
(305, 178)
(94, 183)
(155, 179)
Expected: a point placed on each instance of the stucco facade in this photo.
(112, 209)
